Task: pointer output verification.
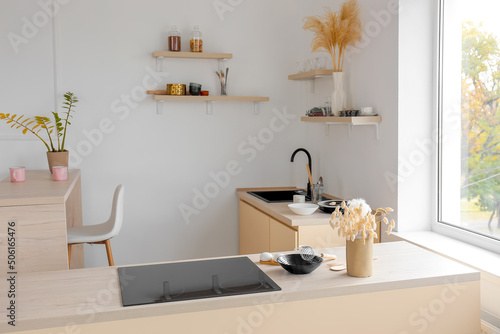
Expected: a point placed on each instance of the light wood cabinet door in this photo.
(319, 236)
(282, 237)
(254, 230)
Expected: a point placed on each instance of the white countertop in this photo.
(58, 298)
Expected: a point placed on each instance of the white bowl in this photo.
(303, 209)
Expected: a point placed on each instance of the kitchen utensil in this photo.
(328, 256)
(311, 180)
(303, 209)
(272, 262)
(295, 264)
(329, 206)
(194, 89)
(176, 89)
(307, 253)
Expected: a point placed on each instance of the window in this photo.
(469, 121)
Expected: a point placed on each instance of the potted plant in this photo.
(55, 131)
(356, 222)
(333, 33)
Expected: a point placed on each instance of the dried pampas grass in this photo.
(335, 31)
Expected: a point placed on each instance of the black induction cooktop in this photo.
(171, 282)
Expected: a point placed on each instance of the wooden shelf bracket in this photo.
(256, 108)
(159, 107)
(210, 107)
(350, 125)
(159, 64)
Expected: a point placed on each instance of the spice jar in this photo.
(196, 41)
(174, 40)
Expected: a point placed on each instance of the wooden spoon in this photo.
(311, 182)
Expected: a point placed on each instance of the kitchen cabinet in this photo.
(37, 213)
(254, 230)
(259, 232)
(281, 237)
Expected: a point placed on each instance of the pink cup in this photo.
(59, 173)
(17, 174)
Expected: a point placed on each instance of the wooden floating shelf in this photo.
(210, 98)
(310, 75)
(343, 120)
(160, 97)
(192, 55)
(349, 121)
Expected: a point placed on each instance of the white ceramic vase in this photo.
(339, 98)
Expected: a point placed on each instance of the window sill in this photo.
(469, 255)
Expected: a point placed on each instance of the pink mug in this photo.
(59, 173)
(17, 174)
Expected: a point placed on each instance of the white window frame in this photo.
(439, 226)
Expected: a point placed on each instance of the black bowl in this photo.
(194, 89)
(295, 264)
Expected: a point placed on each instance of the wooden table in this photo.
(411, 291)
(41, 210)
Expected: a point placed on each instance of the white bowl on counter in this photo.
(303, 209)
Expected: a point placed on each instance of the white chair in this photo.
(100, 233)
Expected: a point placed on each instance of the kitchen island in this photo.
(412, 291)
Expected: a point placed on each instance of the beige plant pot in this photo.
(359, 257)
(57, 159)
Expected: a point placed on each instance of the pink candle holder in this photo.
(59, 173)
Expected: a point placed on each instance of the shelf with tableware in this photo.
(161, 96)
(177, 92)
(350, 121)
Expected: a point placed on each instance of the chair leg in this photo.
(110, 255)
(69, 256)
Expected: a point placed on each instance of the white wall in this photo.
(417, 121)
(357, 166)
(104, 53)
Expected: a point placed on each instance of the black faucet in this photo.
(310, 167)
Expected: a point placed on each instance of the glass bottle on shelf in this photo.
(328, 106)
(174, 40)
(196, 41)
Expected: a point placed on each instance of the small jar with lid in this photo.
(196, 41)
(174, 40)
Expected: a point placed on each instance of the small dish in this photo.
(303, 209)
(329, 206)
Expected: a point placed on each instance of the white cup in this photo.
(366, 111)
(299, 198)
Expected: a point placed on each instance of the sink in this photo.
(276, 196)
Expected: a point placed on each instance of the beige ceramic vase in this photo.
(359, 257)
(57, 159)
